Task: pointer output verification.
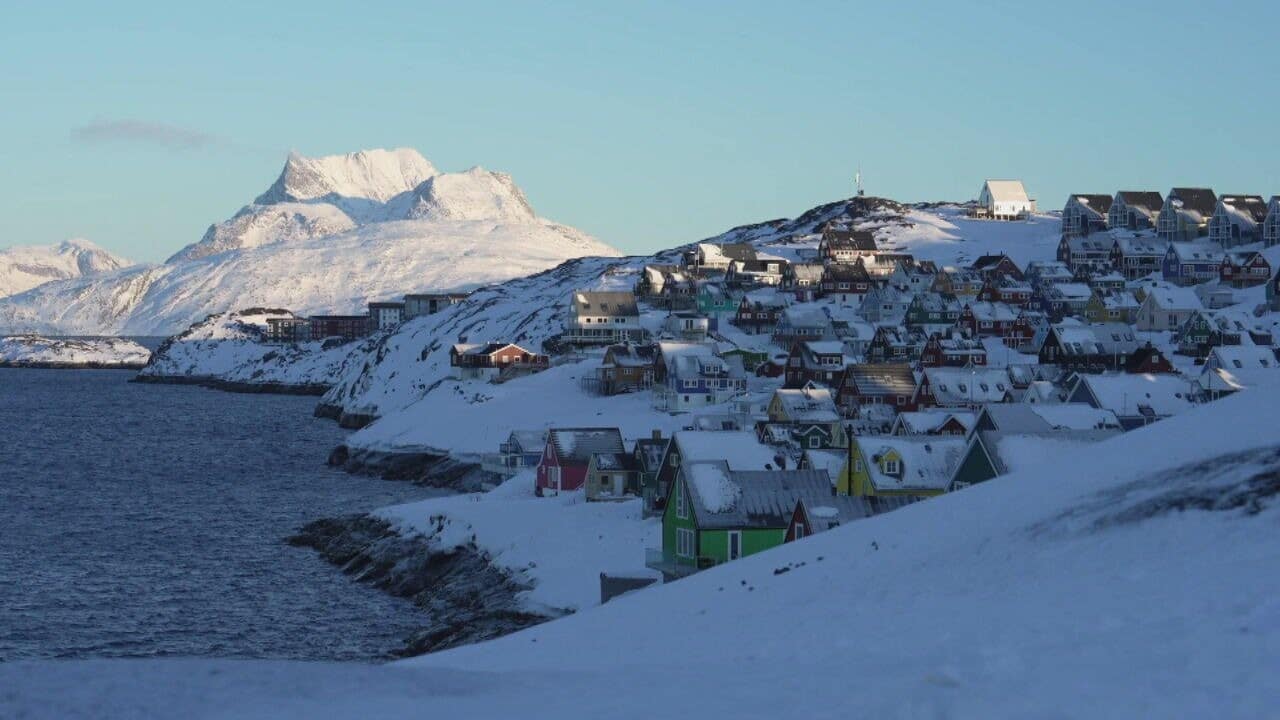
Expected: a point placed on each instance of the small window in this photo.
(682, 508)
(892, 467)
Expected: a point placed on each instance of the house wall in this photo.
(974, 467)
(714, 544)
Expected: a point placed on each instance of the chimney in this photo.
(657, 435)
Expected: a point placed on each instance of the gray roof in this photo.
(1149, 200)
(882, 378)
(828, 511)
(764, 498)
(575, 446)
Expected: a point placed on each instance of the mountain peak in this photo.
(476, 194)
(369, 175)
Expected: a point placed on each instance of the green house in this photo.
(713, 298)
(715, 515)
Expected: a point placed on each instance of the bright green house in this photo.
(714, 515)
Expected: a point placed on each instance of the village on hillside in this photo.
(834, 376)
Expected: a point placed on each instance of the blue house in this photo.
(691, 375)
(1190, 263)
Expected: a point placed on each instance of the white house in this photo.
(383, 315)
(603, 317)
(1005, 200)
(1167, 307)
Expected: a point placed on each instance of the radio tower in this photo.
(857, 180)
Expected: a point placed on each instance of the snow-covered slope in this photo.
(227, 349)
(410, 365)
(330, 235)
(22, 268)
(36, 351)
(1135, 581)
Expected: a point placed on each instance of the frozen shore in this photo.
(35, 351)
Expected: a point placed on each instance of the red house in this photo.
(568, 451)
(952, 351)
(891, 384)
(1244, 269)
(992, 266)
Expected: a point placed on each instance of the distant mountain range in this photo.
(329, 235)
(22, 268)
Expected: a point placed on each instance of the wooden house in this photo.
(1190, 263)
(1136, 399)
(1138, 256)
(1135, 210)
(819, 362)
(1089, 348)
(993, 266)
(627, 367)
(1085, 214)
(917, 466)
(1245, 268)
(952, 350)
(741, 450)
(880, 384)
(1004, 200)
(985, 319)
(1238, 220)
(894, 344)
(717, 515)
(600, 318)
(962, 283)
(970, 387)
(490, 361)
(845, 246)
(929, 308)
(802, 324)
(1007, 290)
(756, 317)
(612, 476)
(844, 281)
(934, 421)
(1063, 300)
(1271, 225)
(567, 455)
(1186, 213)
(1117, 307)
(1166, 307)
(992, 453)
(691, 375)
(1085, 255)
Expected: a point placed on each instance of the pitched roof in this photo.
(1015, 451)
(620, 461)
(1249, 208)
(1148, 200)
(849, 239)
(928, 461)
(1007, 190)
(1097, 202)
(612, 303)
(1198, 200)
(968, 385)
(575, 446)
(882, 378)
(1128, 394)
(1040, 417)
(725, 498)
(808, 404)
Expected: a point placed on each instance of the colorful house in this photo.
(898, 465)
(567, 455)
(717, 515)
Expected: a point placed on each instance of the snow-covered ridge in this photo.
(329, 236)
(40, 352)
(26, 267)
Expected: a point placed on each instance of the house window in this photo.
(815, 441)
(682, 507)
(892, 467)
(684, 542)
(800, 530)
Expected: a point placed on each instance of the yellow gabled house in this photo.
(900, 465)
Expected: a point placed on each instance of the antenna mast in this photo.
(857, 180)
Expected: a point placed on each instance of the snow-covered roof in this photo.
(928, 461)
(1174, 297)
(808, 404)
(740, 449)
(724, 498)
(952, 386)
(575, 446)
(1128, 395)
(1007, 191)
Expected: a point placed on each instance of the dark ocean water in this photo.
(144, 520)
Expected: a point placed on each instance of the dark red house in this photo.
(568, 452)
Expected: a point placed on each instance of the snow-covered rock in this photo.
(34, 351)
(25, 267)
(331, 235)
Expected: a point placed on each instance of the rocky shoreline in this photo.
(421, 468)
(235, 386)
(43, 365)
(466, 599)
(345, 419)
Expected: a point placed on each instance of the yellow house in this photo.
(888, 465)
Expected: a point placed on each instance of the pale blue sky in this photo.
(647, 124)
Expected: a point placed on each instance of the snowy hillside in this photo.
(406, 378)
(22, 268)
(36, 351)
(227, 349)
(1135, 581)
(330, 235)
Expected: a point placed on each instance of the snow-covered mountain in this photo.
(22, 268)
(331, 234)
